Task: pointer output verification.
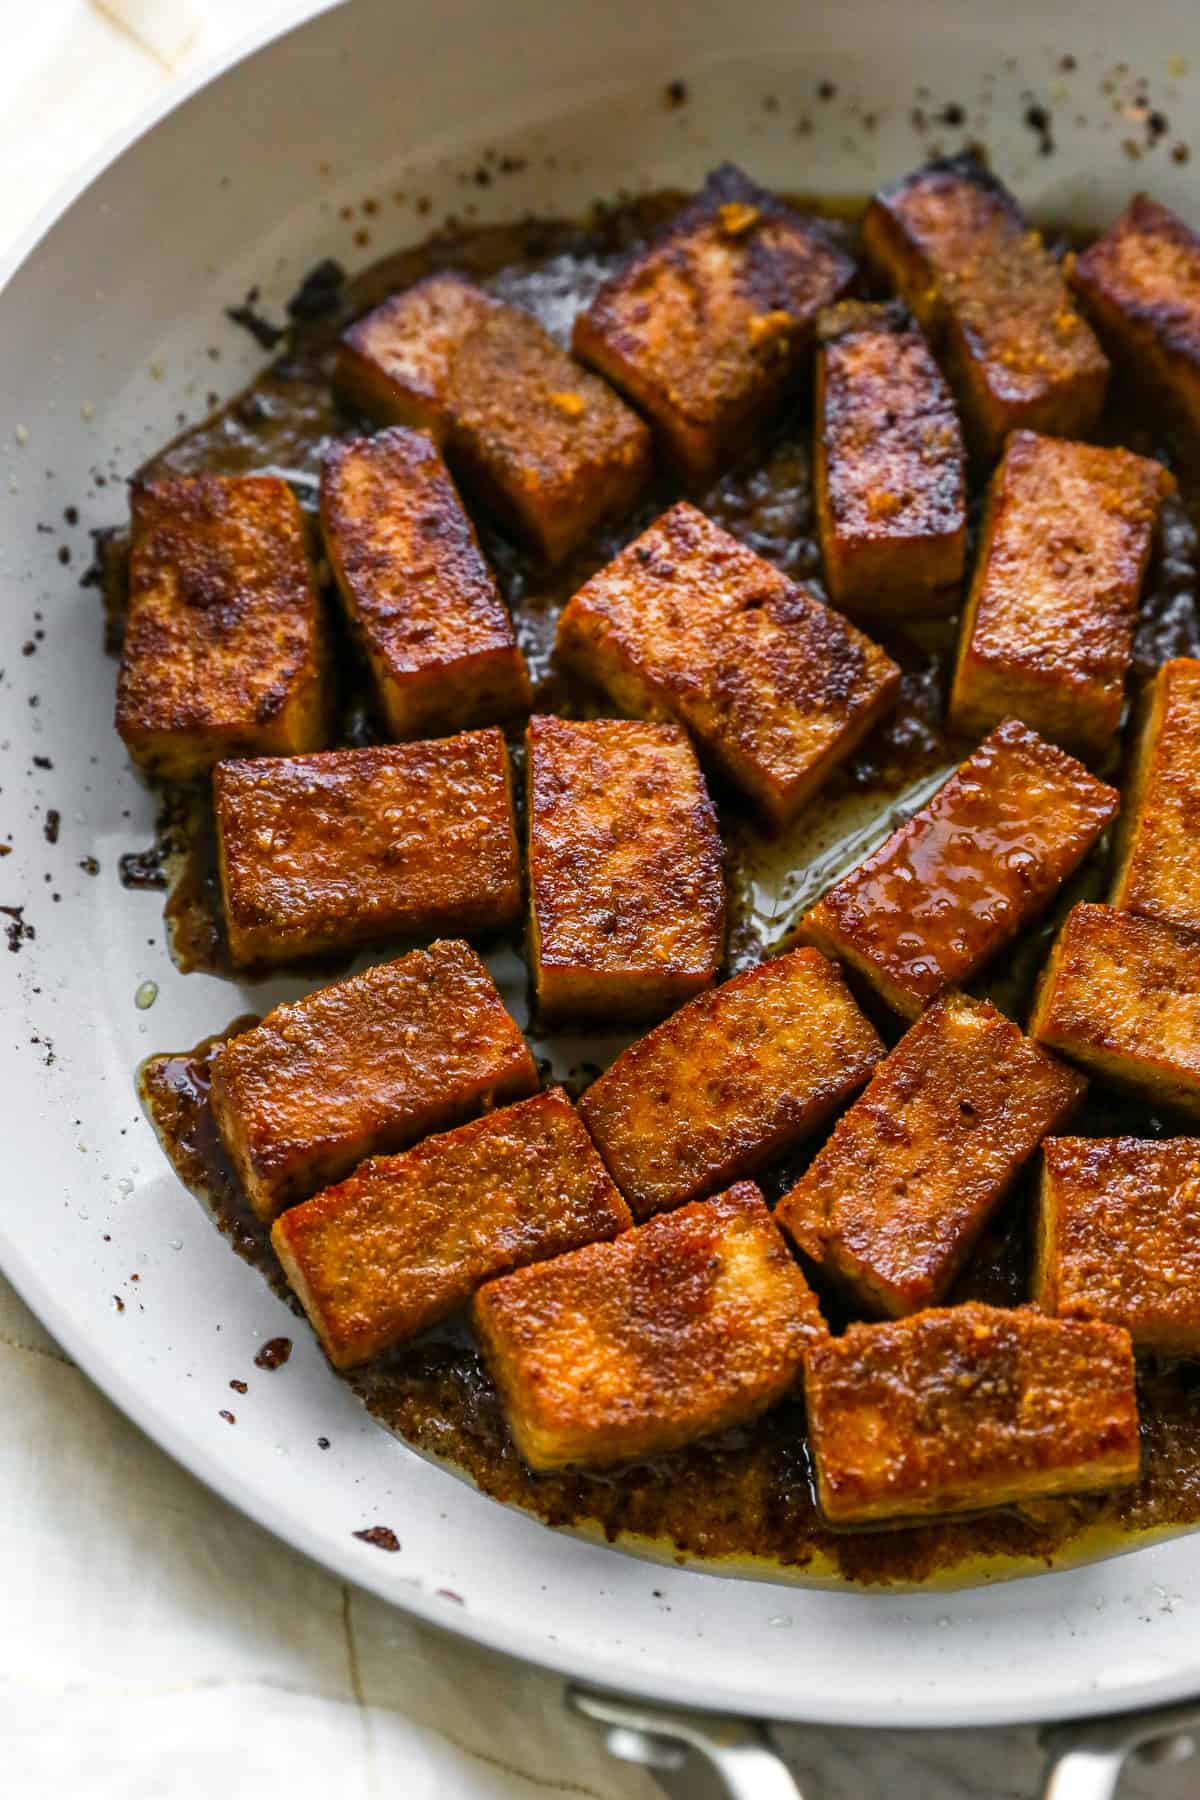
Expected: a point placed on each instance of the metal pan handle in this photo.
(1087, 1756)
(738, 1751)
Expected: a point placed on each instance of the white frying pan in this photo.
(105, 332)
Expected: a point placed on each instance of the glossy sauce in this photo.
(746, 1497)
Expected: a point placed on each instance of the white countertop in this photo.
(154, 1642)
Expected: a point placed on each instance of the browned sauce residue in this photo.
(748, 1494)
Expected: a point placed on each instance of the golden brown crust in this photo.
(706, 330)
(1117, 1237)
(224, 650)
(1047, 636)
(1158, 871)
(347, 847)
(894, 1203)
(733, 1079)
(1121, 996)
(889, 484)
(406, 1239)
(687, 1325)
(549, 447)
(969, 871)
(1140, 284)
(967, 1407)
(363, 1067)
(627, 895)
(420, 598)
(688, 623)
(952, 240)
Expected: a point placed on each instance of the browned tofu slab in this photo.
(1118, 1237)
(967, 1407)
(348, 847)
(689, 624)
(224, 651)
(707, 329)
(969, 871)
(544, 443)
(406, 1239)
(421, 601)
(627, 895)
(952, 240)
(685, 1326)
(888, 466)
(365, 1066)
(732, 1080)
(1140, 284)
(1158, 869)
(894, 1203)
(1047, 635)
(1121, 996)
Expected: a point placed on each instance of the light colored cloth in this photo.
(152, 1641)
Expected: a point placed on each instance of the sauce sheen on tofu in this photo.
(627, 897)
(346, 847)
(689, 1324)
(953, 885)
(732, 1080)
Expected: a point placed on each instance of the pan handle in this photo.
(1086, 1757)
(738, 1751)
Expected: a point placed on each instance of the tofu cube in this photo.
(952, 240)
(1158, 871)
(688, 1325)
(364, 1067)
(956, 882)
(548, 447)
(1120, 995)
(707, 329)
(347, 847)
(407, 1239)
(420, 599)
(888, 467)
(1140, 285)
(689, 624)
(1047, 635)
(893, 1204)
(734, 1079)
(1117, 1237)
(967, 1407)
(225, 647)
(627, 895)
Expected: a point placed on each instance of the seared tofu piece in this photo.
(1140, 284)
(347, 847)
(421, 601)
(627, 895)
(1158, 870)
(1117, 1237)
(1120, 995)
(959, 880)
(735, 1078)
(952, 240)
(893, 1204)
(688, 1325)
(366, 1066)
(888, 466)
(407, 1239)
(966, 1407)
(707, 329)
(543, 443)
(224, 651)
(1047, 635)
(689, 624)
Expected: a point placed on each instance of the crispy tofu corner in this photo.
(1158, 872)
(679, 1328)
(967, 1407)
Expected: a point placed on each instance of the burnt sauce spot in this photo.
(382, 1537)
(274, 1353)
(747, 1494)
